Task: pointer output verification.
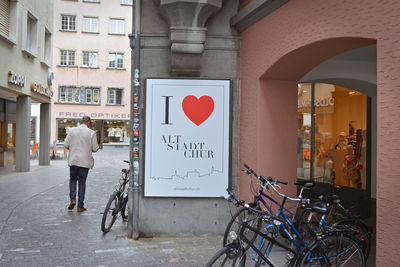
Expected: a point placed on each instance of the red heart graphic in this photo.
(198, 110)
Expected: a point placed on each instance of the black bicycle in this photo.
(117, 203)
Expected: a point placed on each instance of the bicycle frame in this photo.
(243, 238)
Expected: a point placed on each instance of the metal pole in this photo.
(134, 189)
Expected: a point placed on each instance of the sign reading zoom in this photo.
(187, 138)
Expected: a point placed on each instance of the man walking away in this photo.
(81, 142)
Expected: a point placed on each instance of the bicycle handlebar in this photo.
(266, 216)
(127, 161)
(262, 177)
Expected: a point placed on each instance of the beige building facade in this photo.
(26, 33)
(92, 59)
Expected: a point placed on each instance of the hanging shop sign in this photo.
(15, 78)
(40, 89)
(187, 142)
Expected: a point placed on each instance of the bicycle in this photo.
(116, 203)
(334, 248)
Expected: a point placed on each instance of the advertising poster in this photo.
(187, 141)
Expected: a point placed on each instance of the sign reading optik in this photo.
(187, 137)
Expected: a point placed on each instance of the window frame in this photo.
(69, 52)
(127, 4)
(69, 23)
(46, 46)
(116, 54)
(115, 90)
(92, 91)
(13, 23)
(30, 33)
(116, 26)
(69, 92)
(90, 63)
(84, 30)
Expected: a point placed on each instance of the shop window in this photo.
(69, 94)
(114, 96)
(67, 57)
(11, 131)
(90, 24)
(117, 26)
(33, 130)
(92, 95)
(90, 59)
(116, 131)
(332, 135)
(116, 60)
(30, 33)
(63, 127)
(68, 23)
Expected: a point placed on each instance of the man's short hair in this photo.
(85, 119)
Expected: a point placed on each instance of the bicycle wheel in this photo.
(110, 212)
(333, 250)
(230, 255)
(362, 233)
(123, 208)
(242, 215)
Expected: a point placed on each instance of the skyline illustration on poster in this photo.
(188, 174)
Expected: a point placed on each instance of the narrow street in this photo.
(36, 229)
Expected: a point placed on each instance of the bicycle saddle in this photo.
(304, 183)
(319, 207)
(334, 199)
(125, 170)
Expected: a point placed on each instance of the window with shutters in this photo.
(9, 20)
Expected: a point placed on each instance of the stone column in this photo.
(22, 151)
(186, 19)
(44, 145)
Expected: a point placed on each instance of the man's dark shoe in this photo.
(81, 209)
(72, 205)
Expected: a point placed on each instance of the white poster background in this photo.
(184, 159)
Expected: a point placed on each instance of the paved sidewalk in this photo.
(36, 229)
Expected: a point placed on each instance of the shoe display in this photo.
(72, 205)
(81, 209)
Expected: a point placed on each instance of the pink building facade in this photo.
(92, 62)
(279, 50)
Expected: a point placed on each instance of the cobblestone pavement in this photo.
(36, 229)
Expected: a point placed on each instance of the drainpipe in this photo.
(134, 189)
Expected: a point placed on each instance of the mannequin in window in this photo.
(351, 169)
(342, 142)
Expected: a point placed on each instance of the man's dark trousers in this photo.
(77, 174)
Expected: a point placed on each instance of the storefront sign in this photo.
(187, 142)
(322, 106)
(16, 78)
(93, 115)
(40, 89)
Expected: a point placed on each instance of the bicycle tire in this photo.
(110, 212)
(230, 255)
(363, 234)
(335, 248)
(236, 222)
